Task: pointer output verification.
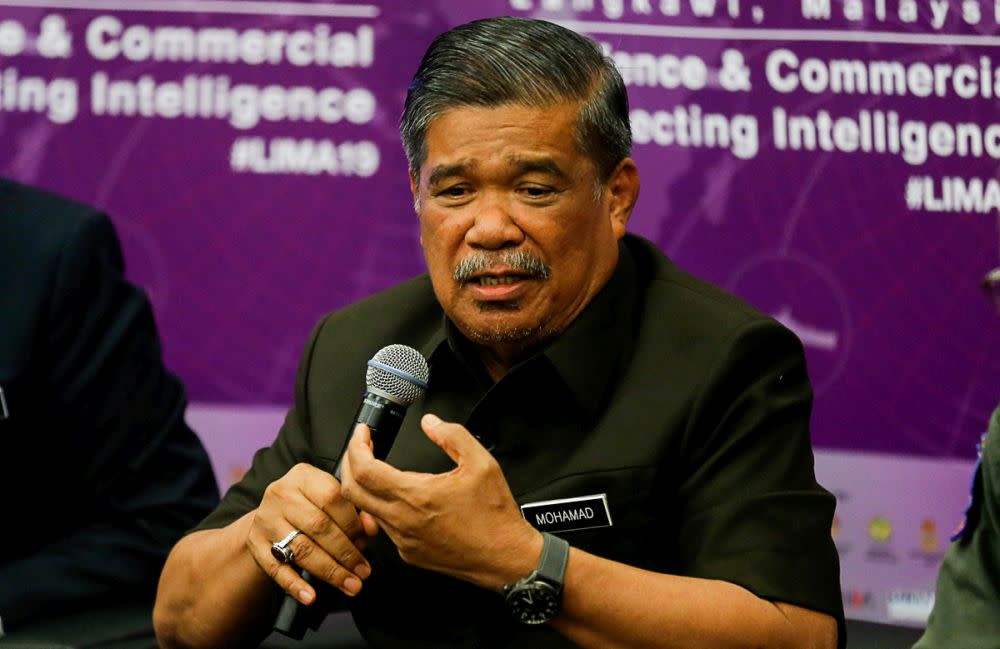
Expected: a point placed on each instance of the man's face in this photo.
(511, 179)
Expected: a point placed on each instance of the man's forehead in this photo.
(458, 121)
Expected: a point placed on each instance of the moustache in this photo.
(520, 261)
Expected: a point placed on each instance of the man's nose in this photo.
(493, 225)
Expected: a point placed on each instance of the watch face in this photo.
(536, 602)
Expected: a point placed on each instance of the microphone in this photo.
(396, 377)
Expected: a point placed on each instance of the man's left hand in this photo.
(464, 523)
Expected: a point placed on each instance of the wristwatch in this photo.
(536, 598)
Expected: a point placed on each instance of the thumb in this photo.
(363, 434)
(369, 523)
(454, 439)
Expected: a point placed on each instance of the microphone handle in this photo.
(384, 417)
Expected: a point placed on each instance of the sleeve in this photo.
(753, 513)
(967, 599)
(291, 446)
(136, 477)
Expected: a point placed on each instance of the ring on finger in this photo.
(281, 551)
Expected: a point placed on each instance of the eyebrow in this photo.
(539, 165)
(441, 172)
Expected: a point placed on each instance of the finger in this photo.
(287, 576)
(361, 471)
(364, 435)
(370, 523)
(292, 583)
(454, 439)
(315, 507)
(334, 557)
(303, 492)
(322, 492)
(309, 556)
(308, 487)
(361, 443)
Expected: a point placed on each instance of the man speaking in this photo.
(609, 452)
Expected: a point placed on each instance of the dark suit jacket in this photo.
(99, 473)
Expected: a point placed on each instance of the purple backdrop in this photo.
(240, 264)
(248, 154)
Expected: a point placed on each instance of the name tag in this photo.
(568, 514)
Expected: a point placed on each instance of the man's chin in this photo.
(502, 333)
(503, 337)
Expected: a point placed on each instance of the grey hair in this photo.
(522, 61)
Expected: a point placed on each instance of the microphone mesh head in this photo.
(399, 372)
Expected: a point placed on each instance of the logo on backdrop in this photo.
(880, 533)
(880, 530)
(856, 599)
(928, 535)
(910, 605)
(930, 551)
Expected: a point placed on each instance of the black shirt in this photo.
(683, 407)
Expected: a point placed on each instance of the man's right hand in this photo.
(332, 536)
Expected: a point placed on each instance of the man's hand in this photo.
(332, 534)
(464, 523)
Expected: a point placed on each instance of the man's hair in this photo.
(498, 61)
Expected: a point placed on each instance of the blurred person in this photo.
(572, 366)
(966, 612)
(99, 473)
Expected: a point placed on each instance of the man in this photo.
(568, 363)
(99, 474)
(966, 611)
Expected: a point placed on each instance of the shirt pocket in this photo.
(637, 533)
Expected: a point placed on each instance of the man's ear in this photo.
(622, 191)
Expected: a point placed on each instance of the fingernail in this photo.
(352, 585)
(305, 596)
(431, 420)
(363, 571)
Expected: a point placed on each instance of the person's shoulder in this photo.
(680, 299)
(990, 448)
(34, 205)
(405, 313)
(343, 340)
(41, 221)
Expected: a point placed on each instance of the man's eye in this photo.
(453, 192)
(536, 192)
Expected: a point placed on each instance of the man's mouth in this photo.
(488, 280)
(500, 286)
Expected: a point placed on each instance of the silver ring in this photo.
(280, 549)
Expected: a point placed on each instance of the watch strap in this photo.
(555, 556)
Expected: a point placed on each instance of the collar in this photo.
(586, 357)
(589, 354)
